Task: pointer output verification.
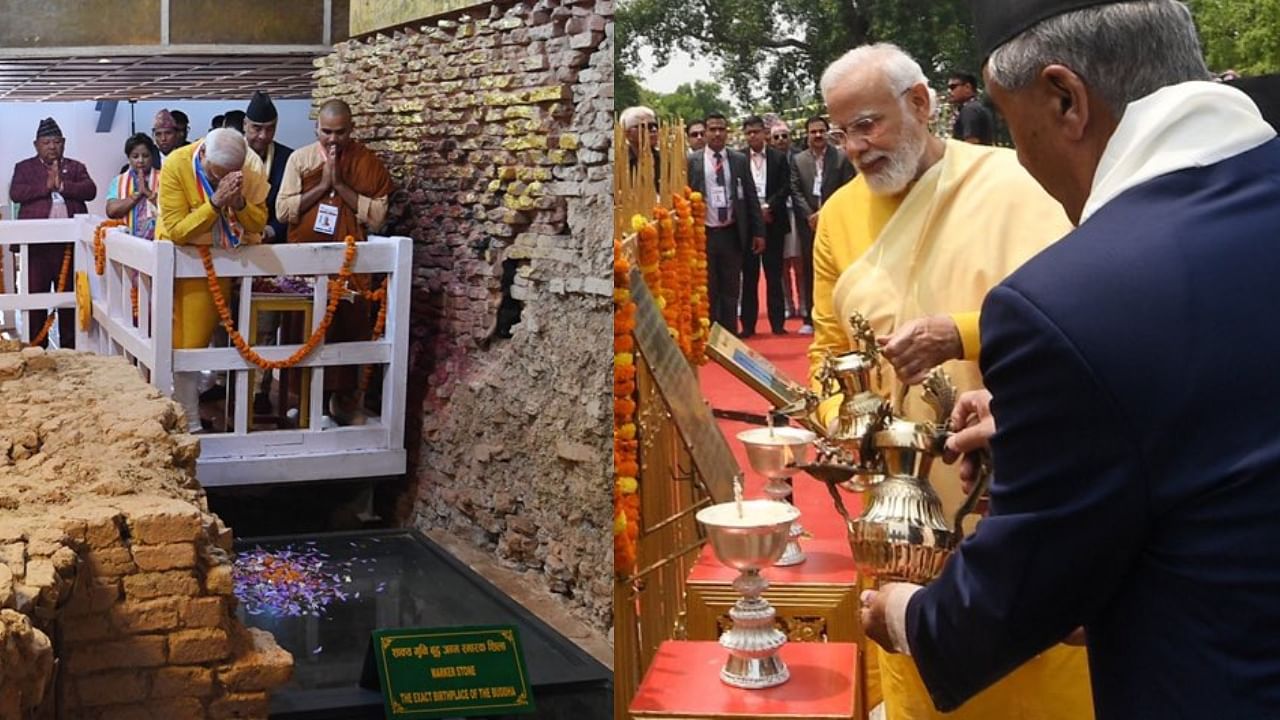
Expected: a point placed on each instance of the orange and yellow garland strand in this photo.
(336, 288)
(100, 247)
(626, 498)
(700, 297)
(670, 291)
(684, 275)
(649, 255)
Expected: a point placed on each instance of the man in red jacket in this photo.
(50, 186)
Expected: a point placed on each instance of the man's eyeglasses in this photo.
(864, 127)
(782, 136)
(698, 133)
(651, 126)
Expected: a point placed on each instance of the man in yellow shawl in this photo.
(333, 188)
(212, 192)
(913, 244)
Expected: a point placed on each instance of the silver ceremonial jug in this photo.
(902, 534)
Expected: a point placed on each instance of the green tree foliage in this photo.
(773, 52)
(689, 101)
(1240, 35)
(626, 90)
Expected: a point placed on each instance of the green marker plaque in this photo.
(452, 672)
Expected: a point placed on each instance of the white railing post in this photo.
(20, 280)
(395, 378)
(8, 318)
(243, 376)
(317, 408)
(162, 318)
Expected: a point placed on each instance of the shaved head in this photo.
(333, 126)
(336, 109)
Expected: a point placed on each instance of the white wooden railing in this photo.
(241, 455)
(16, 303)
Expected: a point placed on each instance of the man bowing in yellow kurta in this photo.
(212, 192)
(913, 244)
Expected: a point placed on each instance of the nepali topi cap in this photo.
(48, 128)
(996, 22)
(164, 119)
(261, 109)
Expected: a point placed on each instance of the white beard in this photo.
(903, 162)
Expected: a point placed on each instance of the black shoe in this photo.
(747, 334)
(780, 331)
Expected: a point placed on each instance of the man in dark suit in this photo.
(1132, 408)
(735, 226)
(260, 120)
(49, 185)
(816, 172)
(772, 177)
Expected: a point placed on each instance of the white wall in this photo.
(103, 153)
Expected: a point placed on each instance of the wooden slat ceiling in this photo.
(142, 77)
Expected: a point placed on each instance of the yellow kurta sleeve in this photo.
(848, 225)
(967, 324)
(179, 221)
(828, 336)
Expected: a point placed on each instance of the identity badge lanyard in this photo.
(229, 236)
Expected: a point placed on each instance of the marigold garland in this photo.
(626, 497)
(84, 302)
(670, 291)
(684, 274)
(702, 316)
(378, 296)
(99, 246)
(336, 288)
(650, 256)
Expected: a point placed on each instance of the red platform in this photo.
(683, 683)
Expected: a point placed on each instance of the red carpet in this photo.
(725, 392)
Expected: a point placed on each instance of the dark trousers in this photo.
(724, 275)
(771, 258)
(806, 264)
(46, 262)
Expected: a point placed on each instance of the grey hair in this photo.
(900, 70)
(633, 115)
(225, 148)
(1123, 51)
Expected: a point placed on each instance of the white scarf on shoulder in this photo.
(1192, 124)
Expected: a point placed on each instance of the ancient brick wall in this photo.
(496, 127)
(107, 548)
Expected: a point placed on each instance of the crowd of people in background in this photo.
(764, 198)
